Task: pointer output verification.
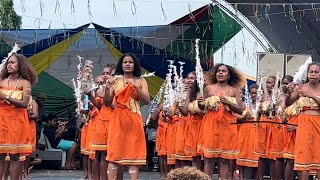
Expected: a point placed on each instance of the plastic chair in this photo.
(49, 148)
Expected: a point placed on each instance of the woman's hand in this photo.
(291, 87)
(224, 100)
(304, 93)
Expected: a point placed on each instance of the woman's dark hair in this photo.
(194, 91)
(137, 67)
(235, 77)
(253, 86)
(311, 64)
(288, 77)
(51, 117)
(112, 68)
(192, 72)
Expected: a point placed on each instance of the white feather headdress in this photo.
(302, 72)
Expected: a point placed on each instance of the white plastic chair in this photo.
(49, 148)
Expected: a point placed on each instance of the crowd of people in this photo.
(216, 127)
(281, 130)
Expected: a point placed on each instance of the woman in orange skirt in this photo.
(307, 99)
(247, 135)
(161, 139)
(266, 143)
(100, 125)
(161, 148)
(25, 158)
(194, 124)
(172, 117)
(289, 142)
(98, 139)
(181, 135)
(126, 125)
(86, 132)
(280, 134)
(218, 138)
(192, 131)
(16, 79)
(181, 158)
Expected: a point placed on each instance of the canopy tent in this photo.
(53, 53)
(291, 26)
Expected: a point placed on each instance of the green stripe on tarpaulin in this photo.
(214, 30)
(60, 99)
(4, 48)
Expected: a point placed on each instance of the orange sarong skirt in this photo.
(264, 136)
(218, 138)
(289, 141)
(247, 137)
(161, 145)
(306, 149)
(14, 130)
(192, 131)
(98, 141)
(170, 141)
(181, 139)
(126, 139)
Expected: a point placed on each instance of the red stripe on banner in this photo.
(187, 18)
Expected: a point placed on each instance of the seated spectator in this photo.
(53, 132)
(187, 173)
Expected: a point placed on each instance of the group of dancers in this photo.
(277, 124)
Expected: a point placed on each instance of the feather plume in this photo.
(145, 75)
(199, 71)
(247, 98)
(259, 95)
(302, 72)
(77, 87)
(168, 89)
(155, 102)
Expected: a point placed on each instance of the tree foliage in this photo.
(9, 19)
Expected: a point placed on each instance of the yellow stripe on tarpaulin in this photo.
(42, 60)
(154, 82)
